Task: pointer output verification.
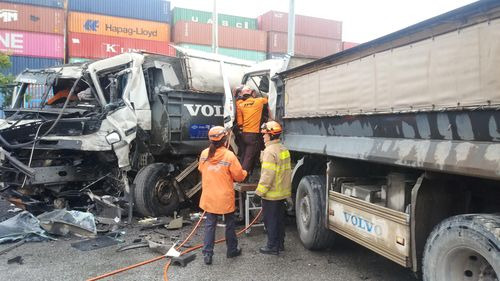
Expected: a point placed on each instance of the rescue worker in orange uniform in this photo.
(60, 97)
(275, 187)
(249, 109)
(219, 167)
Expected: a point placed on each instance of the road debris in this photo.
(95, 243)
(23, 226)
(63, 222)
(18, 260)
(10, 248)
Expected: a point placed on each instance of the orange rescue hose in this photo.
(162, 257)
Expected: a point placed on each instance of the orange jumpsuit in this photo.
(217, 177)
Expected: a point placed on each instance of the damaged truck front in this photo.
(102, 134)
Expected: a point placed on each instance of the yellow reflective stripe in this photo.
(269, 166)
(262, 188)
(284, 154)
(277, 194)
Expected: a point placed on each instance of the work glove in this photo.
(256, 200)
(289, 204)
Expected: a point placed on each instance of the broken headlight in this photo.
(113, 137)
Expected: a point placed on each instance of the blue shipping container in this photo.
(153, 10)
(21, 63)
(47, 3)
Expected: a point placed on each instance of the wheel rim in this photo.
(163, 192)
(463, 263)
(305, 210)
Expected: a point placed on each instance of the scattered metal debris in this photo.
(144, 244)
(22, 226)
(62, 222)
(108, 212)
(184, 259)
(95, 243)
(10, 248)
(18, 260)
(176, 223)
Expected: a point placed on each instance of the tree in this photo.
(6, 86)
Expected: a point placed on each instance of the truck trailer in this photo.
(396, 145)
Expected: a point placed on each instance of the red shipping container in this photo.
(305, 46)
(20, 43)
(229, 37)
(348, 45)
(304, 25)
(31, 18)
(99, 46)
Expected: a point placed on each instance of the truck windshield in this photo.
(39, 96)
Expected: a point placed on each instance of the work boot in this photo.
(207, 259)
(234, 254)
(269, 251)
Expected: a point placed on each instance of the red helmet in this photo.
(271, 127)
(217, 133)
(246, 91)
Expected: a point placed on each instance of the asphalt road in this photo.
(57, 260)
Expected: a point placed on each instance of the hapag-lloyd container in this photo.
(31, 18)
(153, 10)
(183, 14)
(83, 45)
(20, 43)
(306, 46)
(18, 64)
(235, 53)
(304, 25)
(118, 27)
(234, 38)
(46, 3)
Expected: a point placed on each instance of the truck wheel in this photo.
(309, 213)
(153, 192)
(464, 247)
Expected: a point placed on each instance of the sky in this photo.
(362, 20)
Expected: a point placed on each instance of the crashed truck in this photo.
(130, 127)
(396, 145)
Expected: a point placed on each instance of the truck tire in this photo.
(310, 205)
(464, 247)
(154, 194)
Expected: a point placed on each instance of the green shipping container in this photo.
(182, 14)
(235, 53)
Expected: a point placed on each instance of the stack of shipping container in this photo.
(32, 33)
(314, 37)
(100, 29)
(237, 36)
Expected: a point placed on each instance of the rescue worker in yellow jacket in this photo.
(274, 189)
(219, 168)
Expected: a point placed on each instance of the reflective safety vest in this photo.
(276, 172)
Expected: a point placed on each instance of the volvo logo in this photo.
(364, 224)
(91, 25)
(204, 109)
